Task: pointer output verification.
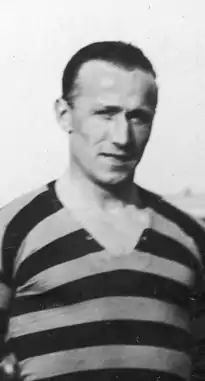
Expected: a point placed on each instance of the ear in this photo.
(63, 114)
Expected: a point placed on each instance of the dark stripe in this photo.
(64, 249)
(75, 245)
(101, 334)
(4, 278)
(198, 304)
(183, 220)
(3, 321)
(163, 207)
(51, 187)
(113, 283)
(198, 327)
(34, 212)
(166, 247)
(116, 375)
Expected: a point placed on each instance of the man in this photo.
(97, 273)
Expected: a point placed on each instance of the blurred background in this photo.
(36, 40)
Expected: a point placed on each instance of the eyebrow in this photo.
(139, 112)
(129, 114)
(108, 110)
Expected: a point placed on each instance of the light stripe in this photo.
(102, 262)
(118, 308)
(107, 357)
(172, 230)
(61, 223)
(5, 296)
(48, 230)
(9, 211)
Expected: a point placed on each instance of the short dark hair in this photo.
(119, 53)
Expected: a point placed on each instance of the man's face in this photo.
(111, 120)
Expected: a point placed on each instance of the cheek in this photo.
(92, 132)
(141, 136)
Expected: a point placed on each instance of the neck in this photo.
(104, 197)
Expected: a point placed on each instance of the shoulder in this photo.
(191, 226)
(11, 211)
(22, 214)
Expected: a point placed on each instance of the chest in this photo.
(78, 270)
(115, 232)
(103, 257)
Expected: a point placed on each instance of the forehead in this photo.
(106, 82)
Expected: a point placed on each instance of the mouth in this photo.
(118, 157)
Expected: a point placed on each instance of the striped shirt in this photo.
(72, 312)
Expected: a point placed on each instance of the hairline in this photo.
(70, 98)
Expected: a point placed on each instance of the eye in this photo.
(109, 115)
(105, 114)
(140, 117)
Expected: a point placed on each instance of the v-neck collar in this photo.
(59, 192)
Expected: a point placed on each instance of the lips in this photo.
(120, 157)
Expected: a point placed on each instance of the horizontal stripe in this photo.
(22, 223)
(75, 245)
(115, 374)
(8, 212)
(101, 262)
(121, 308)
(115, 283)
(64, 249)
(149, 358)
(187, 223)
(112, 332)
(165, 247)
(48, 230)
(170, 229)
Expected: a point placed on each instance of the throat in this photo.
(105, 196)
(117, 232)
(117, 226)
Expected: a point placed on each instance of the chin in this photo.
(113, 179)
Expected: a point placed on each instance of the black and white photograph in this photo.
(102, 196)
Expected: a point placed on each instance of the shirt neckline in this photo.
(57, 196)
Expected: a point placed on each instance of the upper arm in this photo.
(5, 285)
(198, 323)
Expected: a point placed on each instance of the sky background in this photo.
(37, 37)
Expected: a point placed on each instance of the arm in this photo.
(5, 289)
(198, 324)
(5, 297)
(6, 363)
(198, 329)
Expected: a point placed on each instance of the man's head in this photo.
(108, 103)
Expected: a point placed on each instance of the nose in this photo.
(120, 130)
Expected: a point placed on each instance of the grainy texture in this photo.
(79, 313)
